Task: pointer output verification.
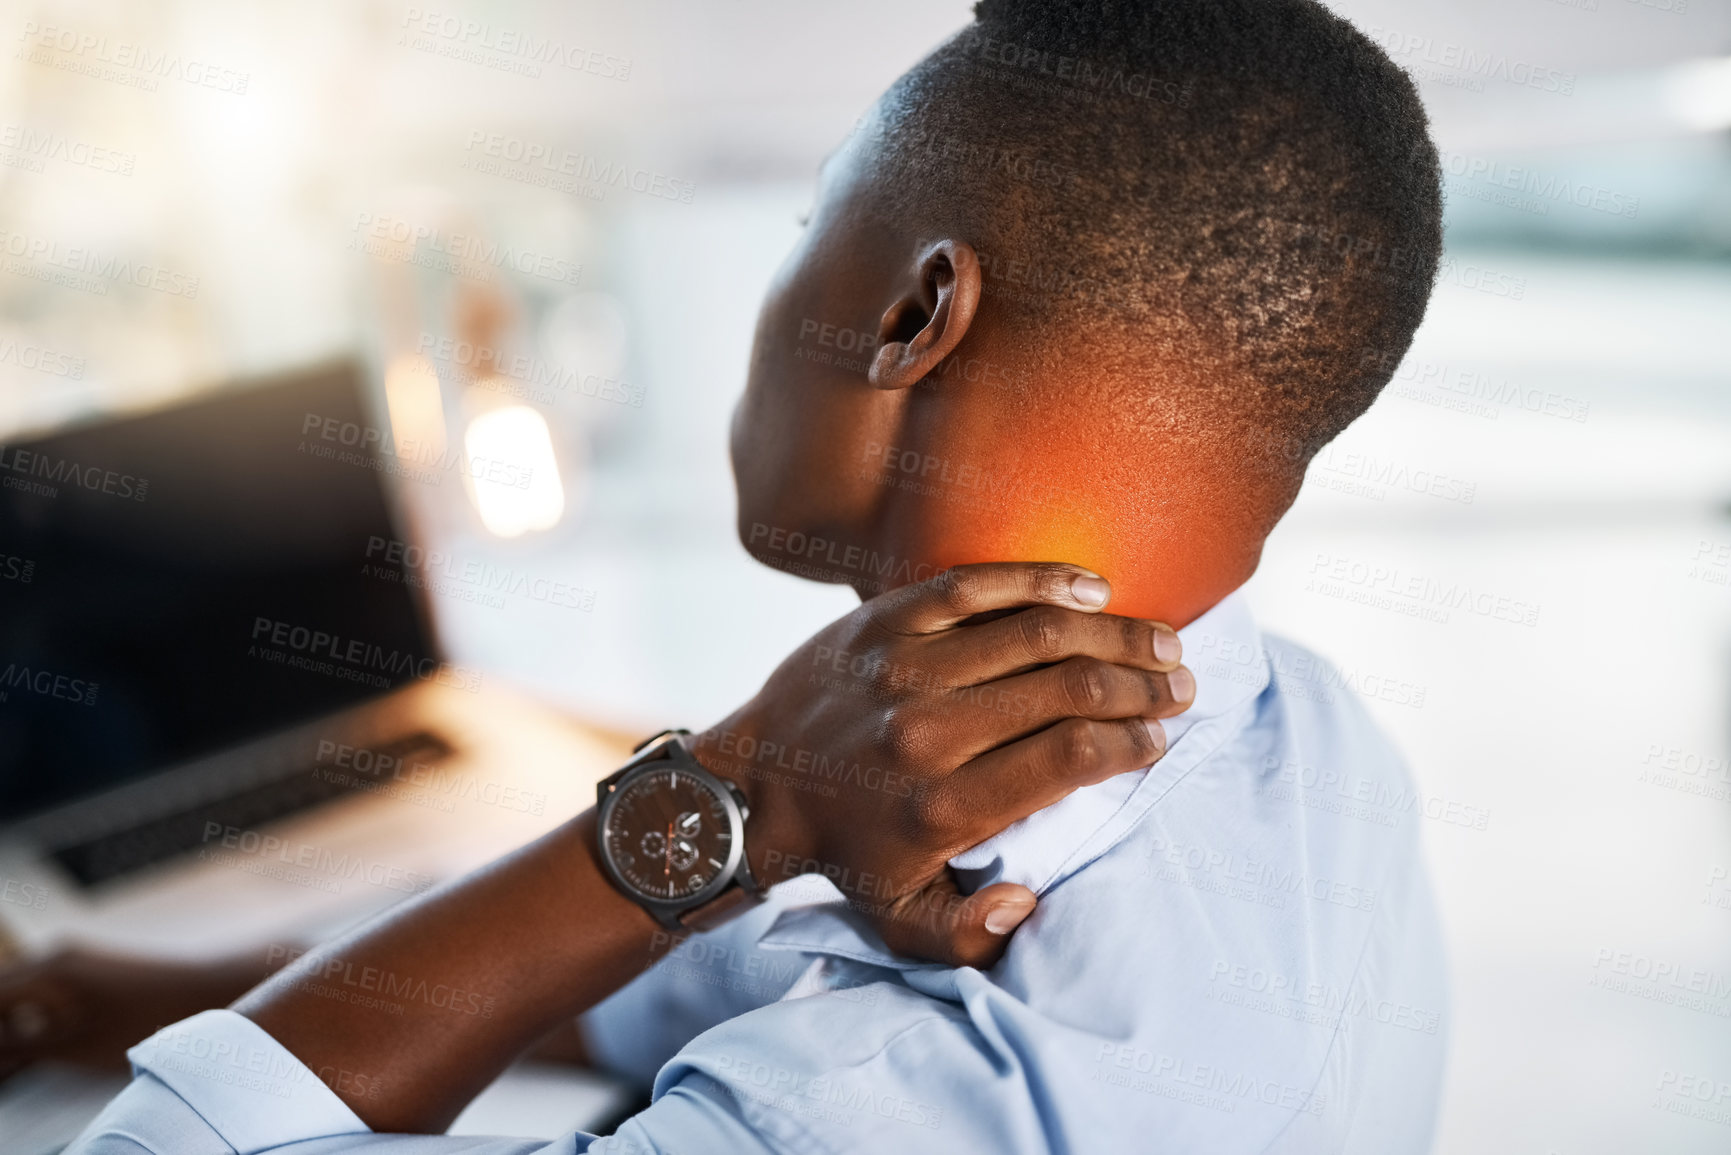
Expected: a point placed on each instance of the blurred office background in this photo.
(340, 178)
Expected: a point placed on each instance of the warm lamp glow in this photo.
(511, 471)
(417, 413)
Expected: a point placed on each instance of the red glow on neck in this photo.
(1171, 539)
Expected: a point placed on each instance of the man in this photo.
(1117, 270)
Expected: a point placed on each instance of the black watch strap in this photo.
(723, 906)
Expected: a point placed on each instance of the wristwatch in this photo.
(672, 836)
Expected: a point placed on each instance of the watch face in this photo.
(668, 834)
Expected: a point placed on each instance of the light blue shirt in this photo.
(1234, 951)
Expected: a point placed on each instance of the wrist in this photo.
(732, 750)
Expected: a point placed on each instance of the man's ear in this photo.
(934, 312)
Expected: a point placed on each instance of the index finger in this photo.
(1011, 782)
(965, 590)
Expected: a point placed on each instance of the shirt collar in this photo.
(1223, 649)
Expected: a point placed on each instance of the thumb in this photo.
(938, 922)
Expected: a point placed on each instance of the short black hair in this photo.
(1244, 187)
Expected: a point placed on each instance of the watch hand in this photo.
(667, 871)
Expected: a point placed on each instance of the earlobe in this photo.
(926, 323)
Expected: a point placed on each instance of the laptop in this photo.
(225, 717)
(224, 712)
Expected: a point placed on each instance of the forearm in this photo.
(563, 1044)
(460, 980)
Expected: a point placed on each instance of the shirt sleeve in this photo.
(702, 982)
(218, 1084)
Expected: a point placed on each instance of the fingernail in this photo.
(1007, 916)
(1090, 591)
(1167, 647)
(1183, 684)
(1156, 732)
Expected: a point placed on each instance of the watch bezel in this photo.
(667, 911)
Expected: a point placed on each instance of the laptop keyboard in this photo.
(122, 851)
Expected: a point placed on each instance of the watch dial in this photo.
(667, 834)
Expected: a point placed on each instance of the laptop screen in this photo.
(179, 582)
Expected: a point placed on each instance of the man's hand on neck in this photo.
(972, 727)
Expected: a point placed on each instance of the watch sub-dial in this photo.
(684, 854)
(695, 883)
(624, 859)
(654, 844)
(689, 823)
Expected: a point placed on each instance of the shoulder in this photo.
(1307, 796)
(1225, 938)
(1308, 760)
(1312, 705)
(874, 1065)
